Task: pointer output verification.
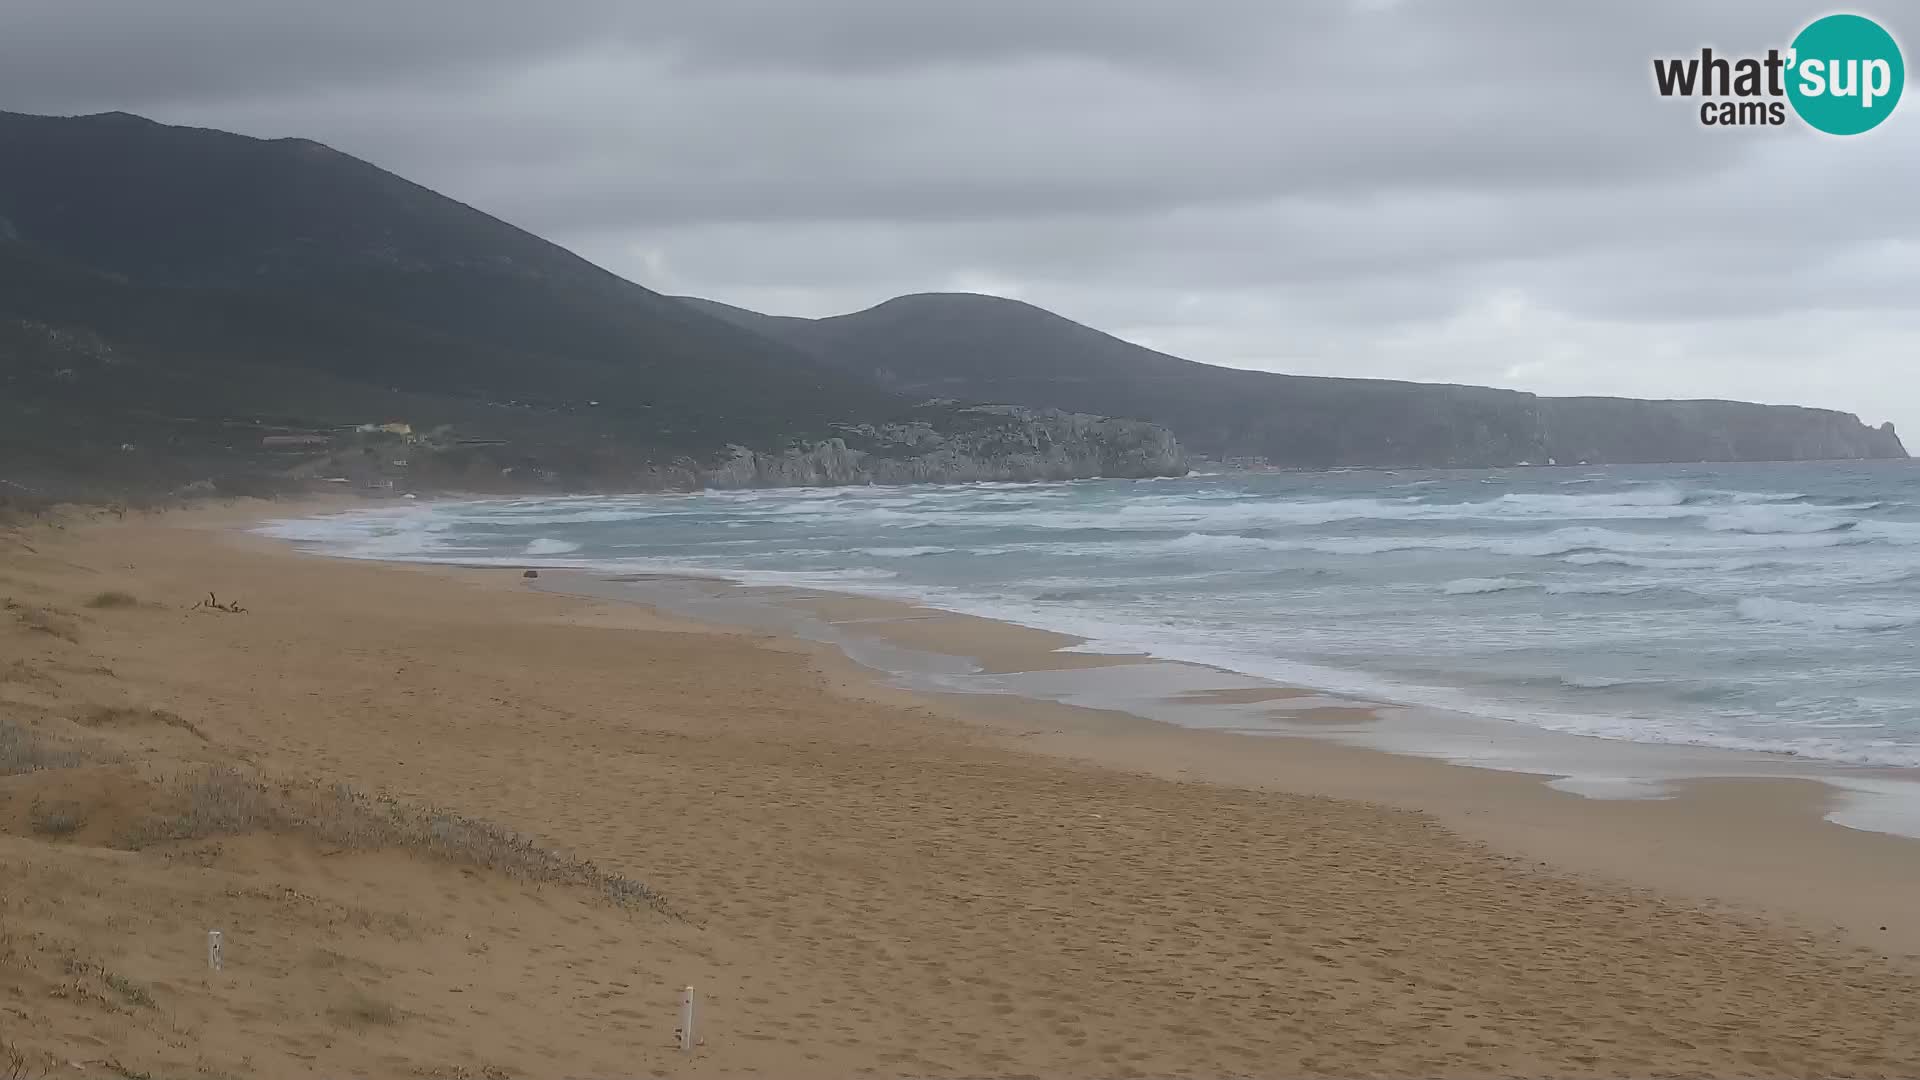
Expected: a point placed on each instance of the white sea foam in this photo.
(1425, 592)
(1569, 504)
(1820, 617)
(1471, 586)
(1231, 514)
(1778, 519)
(1723, 565)
(1116, 637)
(1592, 682)
(1604, 588)
(1600, 544)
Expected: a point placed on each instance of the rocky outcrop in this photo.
(982, 443)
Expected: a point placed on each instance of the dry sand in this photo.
(858, 881)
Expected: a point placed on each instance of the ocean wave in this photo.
(1656, 496)
(1853, 502)
(1592, 682)
(1603, 588)
(1563, 542)
(1234, 511)
(1477, 585)
(1210, 542)
(1777, 519)
(1893, 532)
(1573, 541)
(1793, 613)
(1609, 558)
(821, 578)
(1890, 576)
(1117, 636)
(1312, 578)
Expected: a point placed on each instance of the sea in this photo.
(1760, 607)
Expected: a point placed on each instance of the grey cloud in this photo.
(1480, 191)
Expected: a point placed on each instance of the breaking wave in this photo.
(1819, 617)
(1474, 585)
(1516, 594)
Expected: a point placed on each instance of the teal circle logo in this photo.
(1846, 74)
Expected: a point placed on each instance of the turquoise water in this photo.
(1765, 607)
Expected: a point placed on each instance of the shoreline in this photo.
(1437, 721)
(1675, 817)
(1691, 821)
(874, 880)
(1861, 796)
(935, 650)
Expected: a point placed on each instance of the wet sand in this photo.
(862, 880)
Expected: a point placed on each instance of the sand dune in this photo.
(858, 885)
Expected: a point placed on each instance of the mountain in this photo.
(171, 298)
(968, 346)
(189, 307)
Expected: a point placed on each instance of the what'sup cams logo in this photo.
(1843, 75)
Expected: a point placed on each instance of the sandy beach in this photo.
(858, 880)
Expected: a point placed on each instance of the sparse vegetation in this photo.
(134, 715)
(13, 1063)
(327, 959)
(19, 671)
(464, 1072)
(219, 802)
(56, 818)
(113, 598)
(222, 801)
(44, 620)
(21, 751)
(133, 992)
(362, 1010)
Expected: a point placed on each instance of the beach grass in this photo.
(223, 801)
(363, 1010)
(23, 751)
(56, 819)
(134, 715)
(113, 598)
(44, 620)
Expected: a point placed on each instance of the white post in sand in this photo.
(213, 950)
(686, 1020)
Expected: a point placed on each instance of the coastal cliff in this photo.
(988, 348)
(1625, 430)
(992, 443)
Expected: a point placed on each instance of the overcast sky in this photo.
(1471, 192)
